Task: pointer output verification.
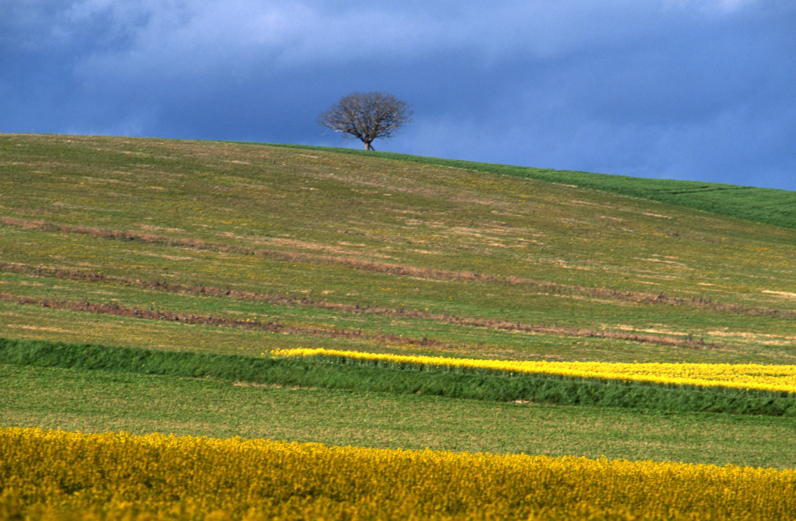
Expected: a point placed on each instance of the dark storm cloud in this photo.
(689, 89)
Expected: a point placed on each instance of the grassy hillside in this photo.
(334, 249)
(241, 249)
(765, 205)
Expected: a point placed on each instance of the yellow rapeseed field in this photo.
(60, 475)
(778, 378)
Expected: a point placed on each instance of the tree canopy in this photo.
(367, 116)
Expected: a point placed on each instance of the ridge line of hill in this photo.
(764, 205)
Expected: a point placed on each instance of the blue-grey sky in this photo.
(681, 89)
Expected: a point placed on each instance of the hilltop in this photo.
(764, 205)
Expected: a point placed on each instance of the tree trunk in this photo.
(368, 146)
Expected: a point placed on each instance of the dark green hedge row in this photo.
(314, 373)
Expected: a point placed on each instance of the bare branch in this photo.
(367, 117)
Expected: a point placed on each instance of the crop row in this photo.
(344, 372)
(114, 475)
(776, 378)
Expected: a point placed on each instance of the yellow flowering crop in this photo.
(55, 474)
(778, 378)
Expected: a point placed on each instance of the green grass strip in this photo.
(309, 373)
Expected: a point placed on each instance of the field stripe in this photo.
(775, 378)
(499, 325)
(121, 475)
(400, 270)
(486, 384)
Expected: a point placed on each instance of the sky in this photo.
(679, 89)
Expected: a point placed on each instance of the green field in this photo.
(98, 401)
(239, 249)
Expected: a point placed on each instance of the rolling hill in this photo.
(339, 250)
(152, 285)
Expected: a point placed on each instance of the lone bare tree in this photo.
(367, 117)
